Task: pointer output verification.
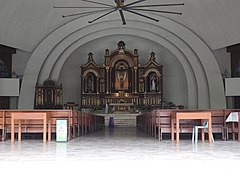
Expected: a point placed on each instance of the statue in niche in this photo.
(3, 69)
(153, 83)
(90, 85)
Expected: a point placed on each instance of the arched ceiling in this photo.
(25, 23)
(58, 46)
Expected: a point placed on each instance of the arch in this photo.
(92, 71)
(190, 76)
(202, 72)
(152, 70)
(115, 59)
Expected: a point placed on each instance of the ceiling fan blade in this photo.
(101, 16)
(141, 15)
(157, 5)
(152, 10)
(79, 7)
(94, 2)
(122, 17)
(134, 3)
(84, 13)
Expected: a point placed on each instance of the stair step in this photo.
(121, 120)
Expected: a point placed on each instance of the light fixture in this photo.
(121, 6)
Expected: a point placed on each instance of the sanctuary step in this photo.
(121, 119)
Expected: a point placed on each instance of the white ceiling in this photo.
(25, 23)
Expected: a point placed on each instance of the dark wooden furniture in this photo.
(121, 79)
(71, 105)
(48, 96)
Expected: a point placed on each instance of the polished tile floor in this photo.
(119, 153)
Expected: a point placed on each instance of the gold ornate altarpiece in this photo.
(121, 79)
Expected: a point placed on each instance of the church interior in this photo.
(151, 68)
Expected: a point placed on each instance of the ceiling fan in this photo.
(121, 7)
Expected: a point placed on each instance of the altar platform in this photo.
(121, 119)
(121, 108)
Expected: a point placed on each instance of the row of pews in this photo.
(44, 121)
(158, 122)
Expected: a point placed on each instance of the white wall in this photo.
(174, 80)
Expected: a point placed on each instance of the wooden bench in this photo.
(23, 116)
(2, 124)
(160, 124)
(79, 123)
(204, 115)
(35, 126)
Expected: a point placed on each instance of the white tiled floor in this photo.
(119, 153)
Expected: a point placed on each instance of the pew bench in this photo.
(158, 122)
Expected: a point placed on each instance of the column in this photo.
(107, 68)
(135, 74)
(97, 85)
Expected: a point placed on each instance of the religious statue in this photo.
(121, 75)
(90, 84)
(106, 108)
(153, 86)
(152, 83)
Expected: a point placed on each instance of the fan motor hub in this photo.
(120, 3)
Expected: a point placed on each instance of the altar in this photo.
(121, 107)
(121, 82)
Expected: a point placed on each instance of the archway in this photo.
(205, 87)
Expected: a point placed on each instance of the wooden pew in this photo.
(21, 118)
(190, 115)
(79, 123)
(165, 122)
(89, 123)
(2, 124)
(35, 126)
(218, 122)
(157, 125)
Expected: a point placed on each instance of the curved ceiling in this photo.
(25, 23)
(53, 48)
(36, 27)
